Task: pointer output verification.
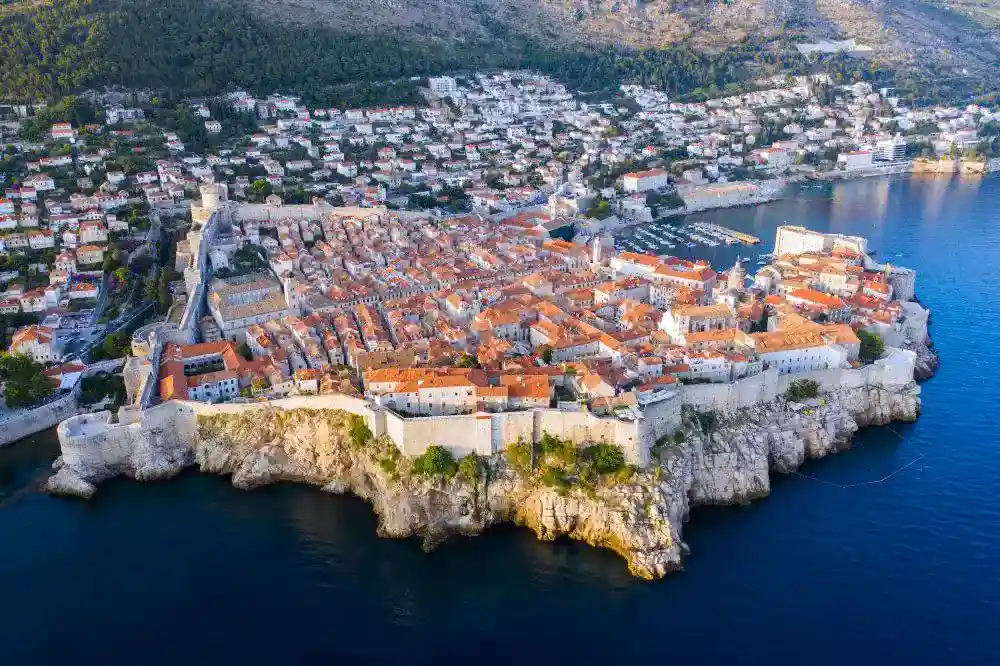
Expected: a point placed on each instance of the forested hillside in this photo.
(49, 48)
(195, 47)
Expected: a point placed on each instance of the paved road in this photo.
(101, 300)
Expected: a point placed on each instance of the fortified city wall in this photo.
(92, 440)
(25, 423)
(892, 371)
(30, 421)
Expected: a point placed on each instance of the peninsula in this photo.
(459, 372)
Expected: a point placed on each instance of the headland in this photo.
(714, 388)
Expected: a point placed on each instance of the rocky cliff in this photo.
(927, 362)
(709, 461)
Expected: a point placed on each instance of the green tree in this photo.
(557, 450)
(163, 291)
(112, 260)
(547, 354)
(151, 288)
(115, 345)
(872, 346)
(802, 389)
(600, 210)
(258, 190)
(23, 382)
(467, 361)
(436, 461)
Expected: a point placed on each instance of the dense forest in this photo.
(196, 47)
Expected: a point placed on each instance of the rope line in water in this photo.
(863, 483)
(873, 481)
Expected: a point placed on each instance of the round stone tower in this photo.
(212, 194)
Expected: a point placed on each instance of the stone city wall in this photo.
(488, 434)
(92, 439)
(375, 418)
(109, 366)
(461, 435)
(18, 425)
(895, 369)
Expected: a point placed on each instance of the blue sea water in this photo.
(904, 571)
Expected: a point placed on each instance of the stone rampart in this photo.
(87, 438)
(462, 435)
(374, 417)
(893, 370)
(92, 439)
(24, 423)
(109, 366)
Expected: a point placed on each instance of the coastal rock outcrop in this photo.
(927, 363)
(66, 483)
(711, 460)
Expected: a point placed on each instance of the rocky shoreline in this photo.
(728, 461)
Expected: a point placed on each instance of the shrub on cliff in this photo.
(555, 477)
(560, 451)
(358, 431)
(388, 466)
(518, 456)
(606, 458)
(470, 467)
(436, 461)
(706, 421)
(802, 389)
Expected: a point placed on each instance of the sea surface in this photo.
(825, 571)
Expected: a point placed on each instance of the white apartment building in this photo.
(643, 181)
(213, 385)
(890, 150)
(442, 85)
(38, 342)
(799, 240)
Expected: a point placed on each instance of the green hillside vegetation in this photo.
(192, 47)
(183, 48)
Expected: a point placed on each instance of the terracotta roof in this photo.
(703, 311)
(817, 297)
